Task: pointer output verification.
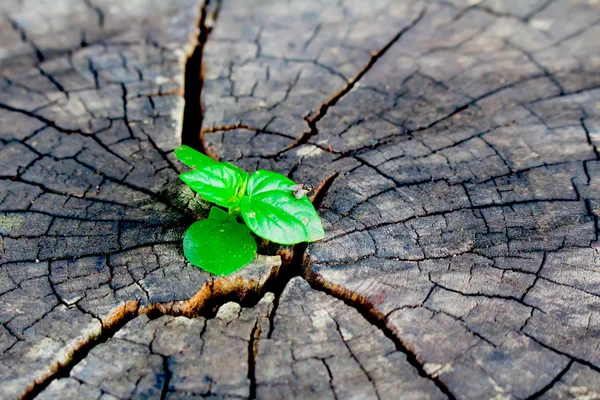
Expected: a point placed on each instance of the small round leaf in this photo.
(273, 213)
(219, 247)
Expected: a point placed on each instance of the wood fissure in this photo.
(454, 152)
(204, 303)
(192, 112)
(313, 118)
(366, 309)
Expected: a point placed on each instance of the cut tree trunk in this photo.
(453, 147)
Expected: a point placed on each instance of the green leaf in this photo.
(220, 183)
(192, 158)
(273, 213)
(217, 214)
(265, 181)
(218, 246)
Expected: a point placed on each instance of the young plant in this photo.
(269, 203)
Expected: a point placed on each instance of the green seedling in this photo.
(271, 205)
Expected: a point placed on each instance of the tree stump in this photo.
(453, 147)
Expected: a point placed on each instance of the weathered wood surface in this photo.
(455, 146)
(314, 347)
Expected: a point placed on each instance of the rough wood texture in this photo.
(92, 212)
(454, 144)
(464, 212)
(338, 355)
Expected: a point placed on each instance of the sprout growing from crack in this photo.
(272, 206)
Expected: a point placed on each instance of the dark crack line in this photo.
(18, 28)
(210, 300)
(272, 314)
(562, 353)
(192, 113)
(99, 254)
(488, 296)
(98, 11)
(133, 187)
(410, 132)
(192, 135)
(570, 287)
(125, 114)
(575, 34)
(589, 141)
(538, 10)
(167, 381)
(462, 322)
(312, 37)
(53, 81)
(443, 213)
(475, 101)
(322, 111)
(362, 368)
(551, 384)
(482, 8)
(252, 351)
(331, 386)
(52, 124)
(571, 93)
(538, 65)
(305, 61)
(537, 277)
(79, 353)
(47, 190)
(240, 126)
(375, 318)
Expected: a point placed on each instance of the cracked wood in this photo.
(455, 144)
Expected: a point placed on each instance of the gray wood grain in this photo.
(92, 210)
(463, 135)
(311, 346)
(454, 147)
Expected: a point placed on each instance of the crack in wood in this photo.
(551, 384)
(192, 113)
(375, 318)
(204, 303)
(313, 119)
(252, 351)
(495, 218)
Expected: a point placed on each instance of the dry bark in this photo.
(250, 352)
(454, 146)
